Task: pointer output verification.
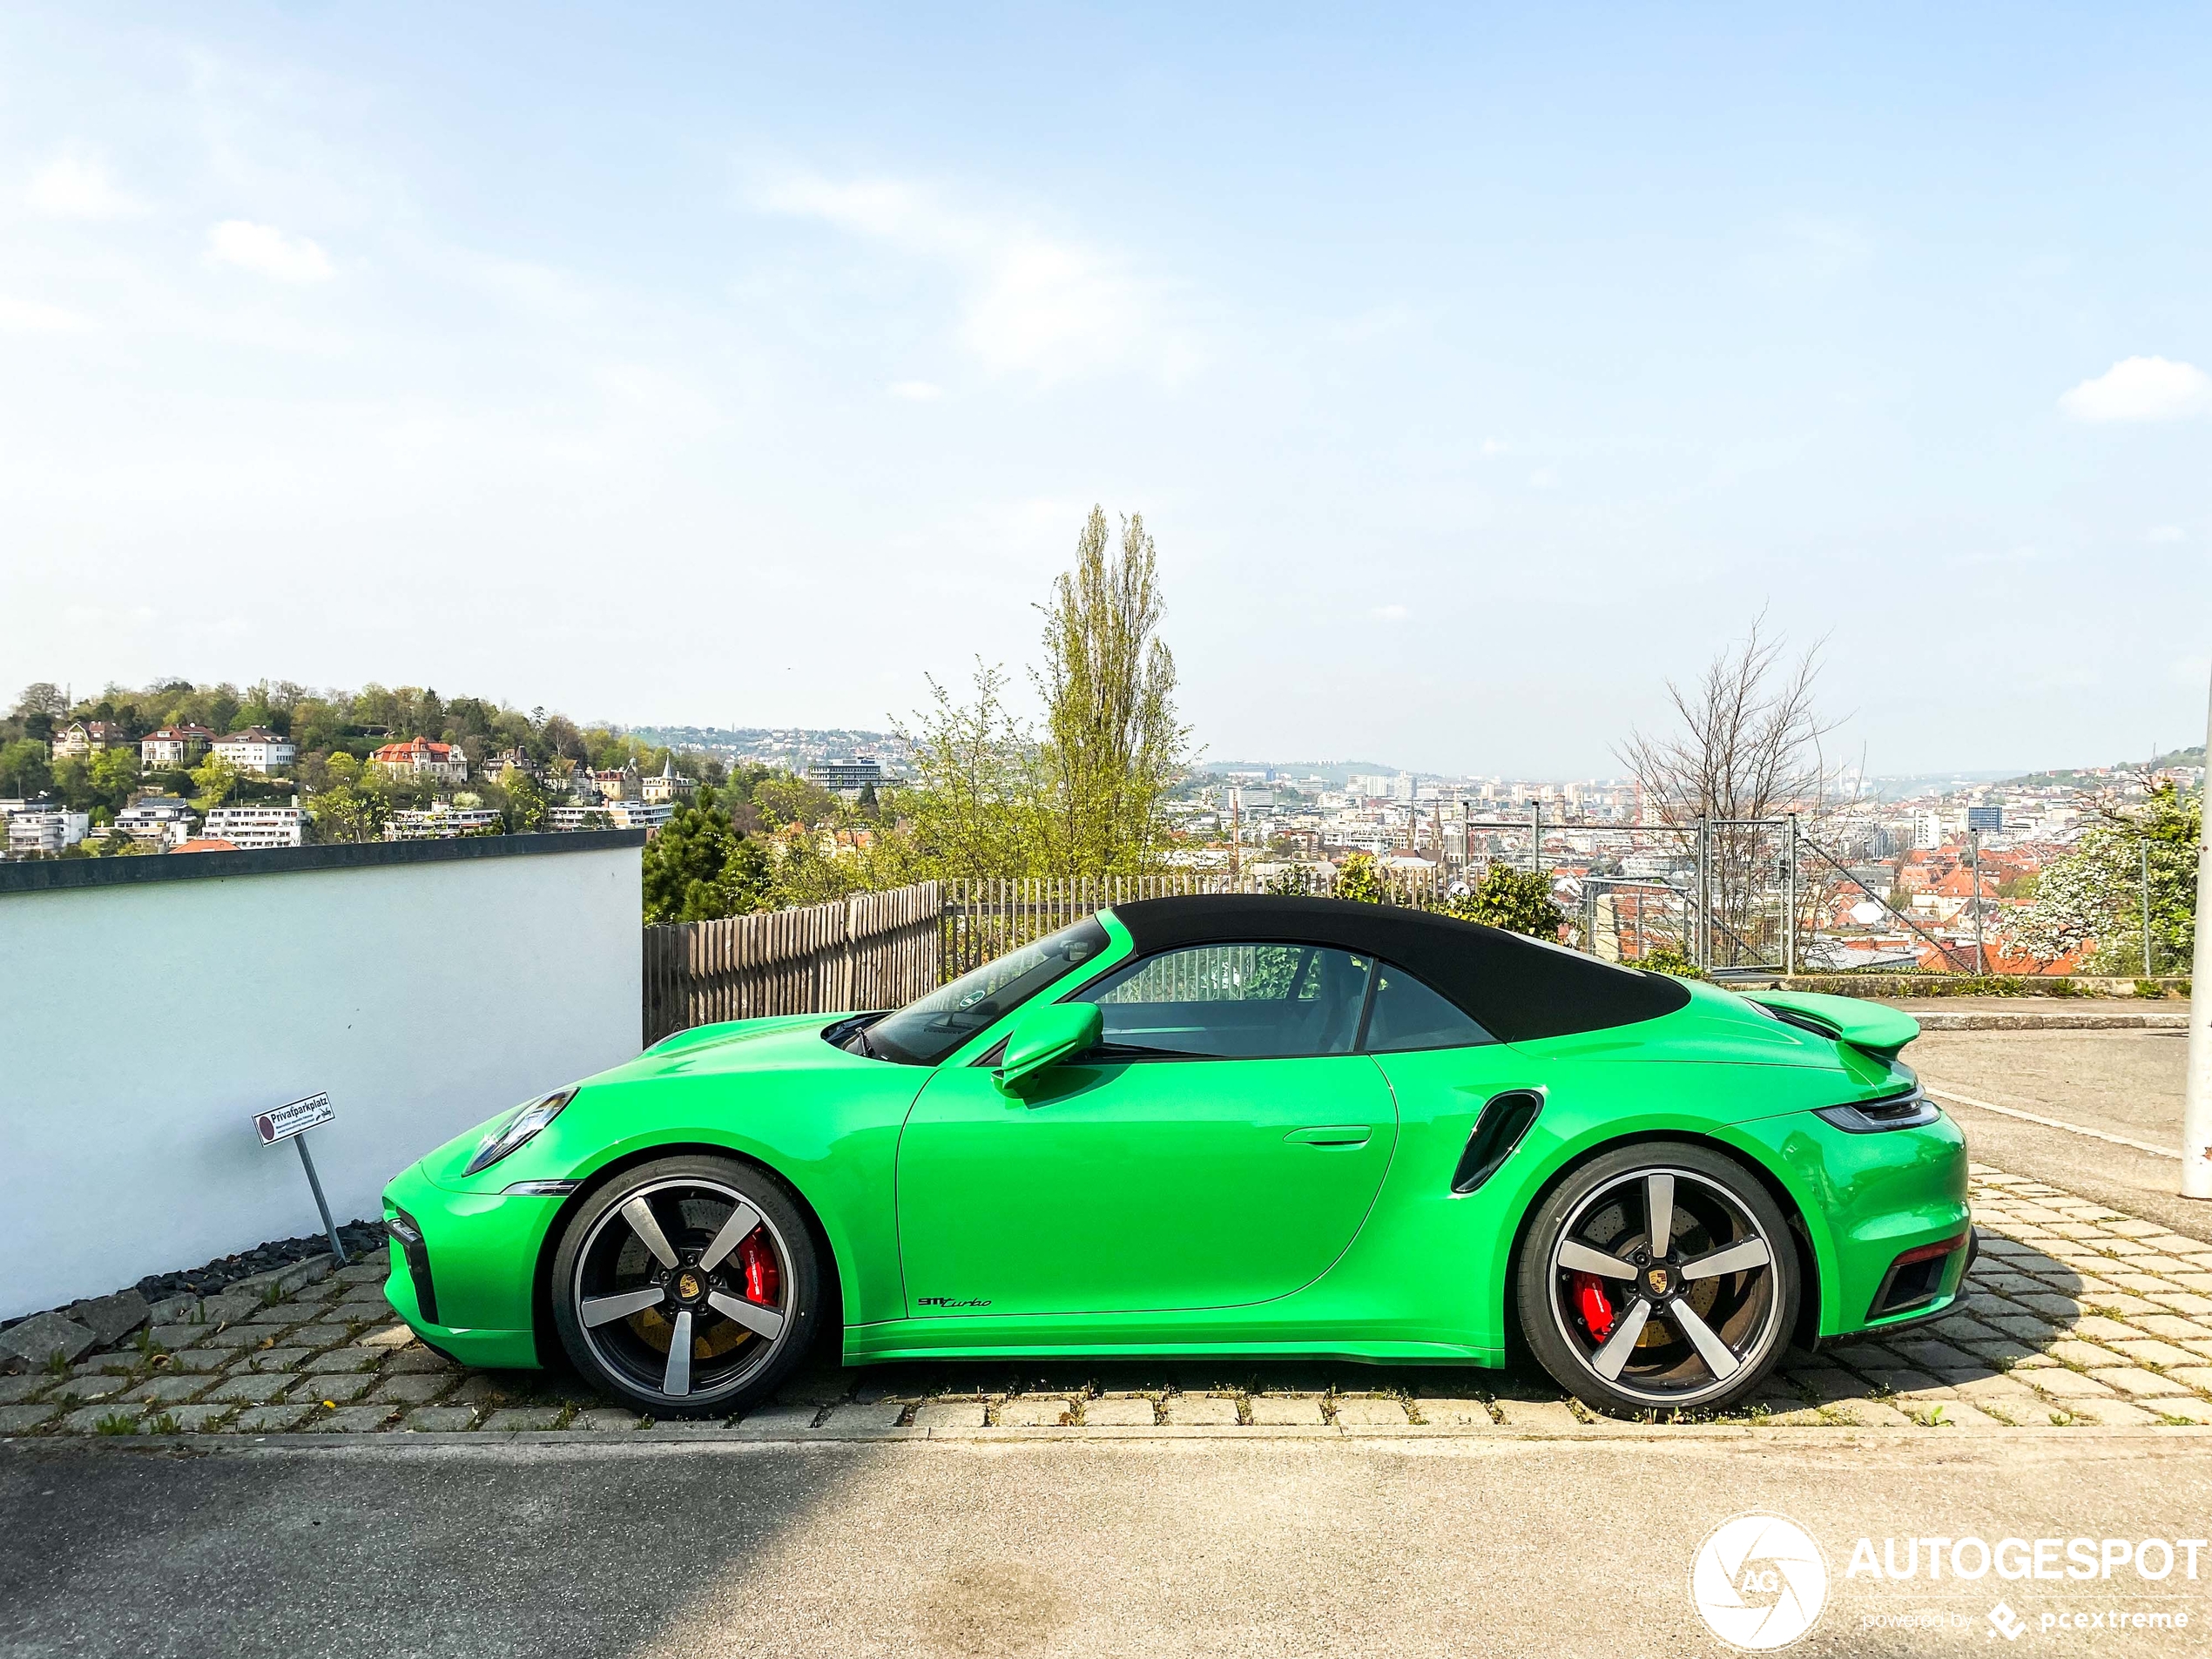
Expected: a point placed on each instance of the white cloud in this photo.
(2165, 533)
(1543, 478)
(78, 187)
(915, 391)
(1389, 613)
(2140, 389)
(267, 251)
(1031, 303)
(29, 317)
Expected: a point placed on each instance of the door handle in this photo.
(1340, 1134)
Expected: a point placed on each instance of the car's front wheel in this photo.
(1658, 1276)
(687, 1286)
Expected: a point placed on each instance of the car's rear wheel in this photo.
(687, 1286)
(1658, 1276)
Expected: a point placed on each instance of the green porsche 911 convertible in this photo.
(1218, 1126)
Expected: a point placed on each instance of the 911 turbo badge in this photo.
(952, 1301)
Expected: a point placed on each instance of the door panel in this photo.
(1137, 1185)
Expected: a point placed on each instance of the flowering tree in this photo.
(2092, 899)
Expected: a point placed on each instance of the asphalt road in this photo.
(2125, 1083)
(1479, 1545)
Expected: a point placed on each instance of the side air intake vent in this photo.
(1505, 1119)
(407, 1233)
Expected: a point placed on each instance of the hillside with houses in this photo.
(181, 768)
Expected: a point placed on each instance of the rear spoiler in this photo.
(1880, 1029)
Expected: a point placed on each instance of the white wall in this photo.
(143, 1025)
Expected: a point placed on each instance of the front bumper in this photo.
(465, 1281)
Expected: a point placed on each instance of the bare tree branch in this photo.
(1750, 746)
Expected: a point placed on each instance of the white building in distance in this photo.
(648, 816)
(256, 825)
(257, 749)
(44, 829)
(173, 747)
(443, 823)
(157, 820)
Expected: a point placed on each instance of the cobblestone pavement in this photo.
(2076, 1315)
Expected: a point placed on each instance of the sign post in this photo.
(291, 1122)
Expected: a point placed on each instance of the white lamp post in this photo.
(2197, 1094)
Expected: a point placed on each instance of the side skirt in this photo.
(926, 1339)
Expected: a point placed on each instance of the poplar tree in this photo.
(1112, 743)
(1083, 795)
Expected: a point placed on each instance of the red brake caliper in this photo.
(760, 1265)
(1590, 1302)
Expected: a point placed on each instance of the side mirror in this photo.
(1047, 1036)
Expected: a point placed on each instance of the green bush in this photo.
(1518, 901)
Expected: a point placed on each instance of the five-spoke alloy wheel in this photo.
(1658, 1276)
(687, 1285)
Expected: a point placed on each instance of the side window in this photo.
(1234, 1002)
(1408, 1016)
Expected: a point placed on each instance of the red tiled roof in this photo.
(397, 754)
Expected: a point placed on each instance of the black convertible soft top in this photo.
(1516, 988)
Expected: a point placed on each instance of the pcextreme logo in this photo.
(1759, 1582)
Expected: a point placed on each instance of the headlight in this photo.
(516, 1128)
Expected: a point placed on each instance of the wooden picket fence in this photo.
(989, 917)
(878, 950)
(874, 950)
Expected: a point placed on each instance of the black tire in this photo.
(1697, 1327)
(623, 1288)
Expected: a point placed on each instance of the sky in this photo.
(1477, 370)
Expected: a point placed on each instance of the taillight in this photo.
(1911, 1109)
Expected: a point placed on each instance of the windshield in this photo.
(925, 1031)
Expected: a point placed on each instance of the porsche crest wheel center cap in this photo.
(689, 1286)
(1658, 1278)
